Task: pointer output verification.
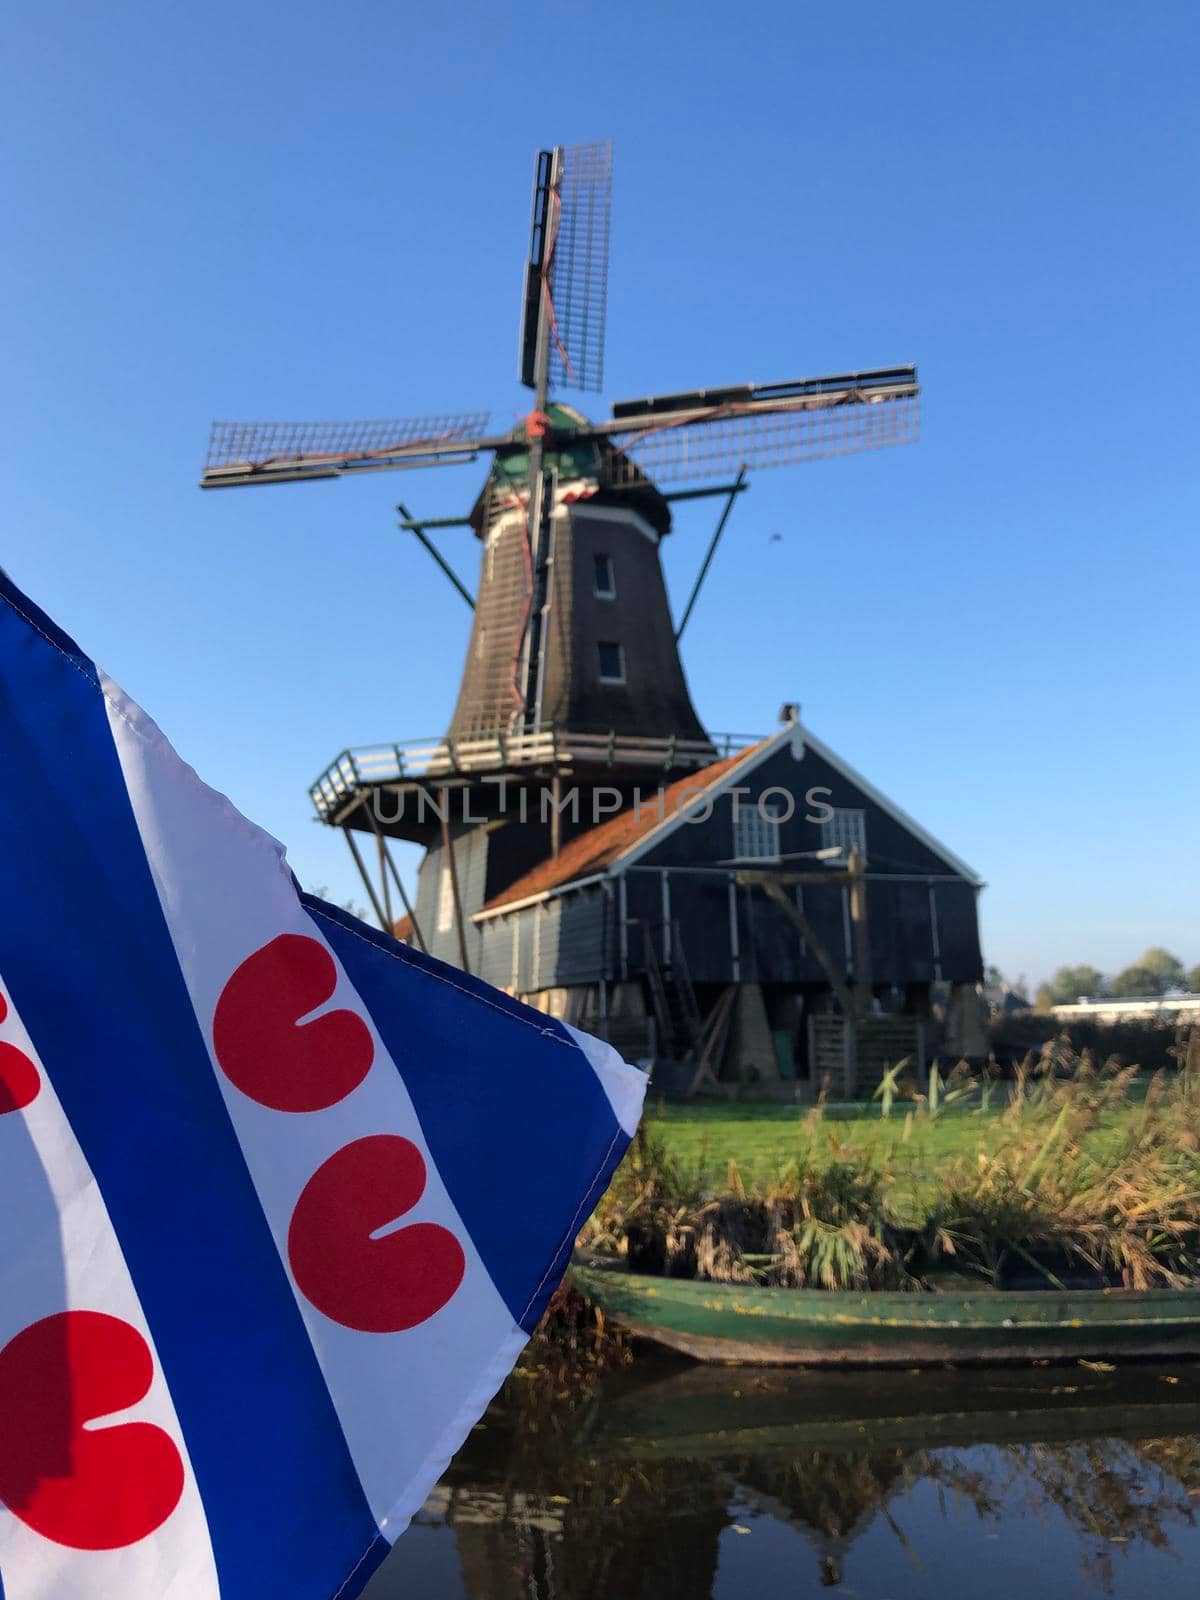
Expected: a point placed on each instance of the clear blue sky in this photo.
(302, 210)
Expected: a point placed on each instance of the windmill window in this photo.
(606, 583)
(756, 832)
(846, 828)
(612, 662)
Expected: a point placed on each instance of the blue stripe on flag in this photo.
(89, 961)
(515, 1117)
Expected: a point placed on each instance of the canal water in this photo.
(661, 1480)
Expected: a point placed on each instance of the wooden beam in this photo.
(367, 884)
(384, 885)
(735, 489)
(760, 879)
(448, 852)
(555, 815)
(861, 930)
(837, 978)
(389, 864)
(714, 1038)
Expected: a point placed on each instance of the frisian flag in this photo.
(280, 1199)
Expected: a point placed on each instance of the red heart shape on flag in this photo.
(261, 1043)
(374, 1285)
(85, 1487)
(19, 1080)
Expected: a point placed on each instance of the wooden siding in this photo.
(903, 946)
(575, 938)
(653, 700)
(891, 847)
(470, 859)
(496, 952)
(922, 917)
(958, 932)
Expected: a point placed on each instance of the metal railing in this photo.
(502, 750)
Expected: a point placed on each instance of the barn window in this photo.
(756, 832)
(846, 828)
(445, 905)
(605, 581)
(612, 661)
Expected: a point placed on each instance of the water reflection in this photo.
(707, 1484)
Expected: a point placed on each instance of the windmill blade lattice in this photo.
(715, 441)
(278, 452)
(578, 273)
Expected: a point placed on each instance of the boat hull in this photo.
(753, 1326)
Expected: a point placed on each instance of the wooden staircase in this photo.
(672, 995)
(683, 1033)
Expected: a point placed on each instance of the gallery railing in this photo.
(502, 750)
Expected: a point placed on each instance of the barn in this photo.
(770, 918)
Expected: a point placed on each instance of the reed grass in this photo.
(1087, 1175)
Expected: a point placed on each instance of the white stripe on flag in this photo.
(407, 1400)
(59, 1254)
(624, 1085)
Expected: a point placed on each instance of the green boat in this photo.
(818, 1327)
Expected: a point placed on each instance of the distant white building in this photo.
(1157, 1008)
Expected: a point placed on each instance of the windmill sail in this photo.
(712, 432)
(280, 452)
(578, 267)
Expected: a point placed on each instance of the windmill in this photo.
(573, 665)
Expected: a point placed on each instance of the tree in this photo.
(1193, 980)
(1135, 983)
(1168, 969)
(1156, 972)
(1069, 984)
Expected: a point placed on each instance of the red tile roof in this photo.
(600, 846)
(403, 929)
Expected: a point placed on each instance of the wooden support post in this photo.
(861, 932)
(366, 878)
(448, 852)
(409, 909)
(713, 1039)
(837, 978)
(387, 862)
(555, 815)
(384, 885)
(734, 490)
(407, 520)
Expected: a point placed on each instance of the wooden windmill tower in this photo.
(573, 672)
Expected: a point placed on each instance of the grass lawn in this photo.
(762, 1139)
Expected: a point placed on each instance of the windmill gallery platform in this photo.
(738, 911)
